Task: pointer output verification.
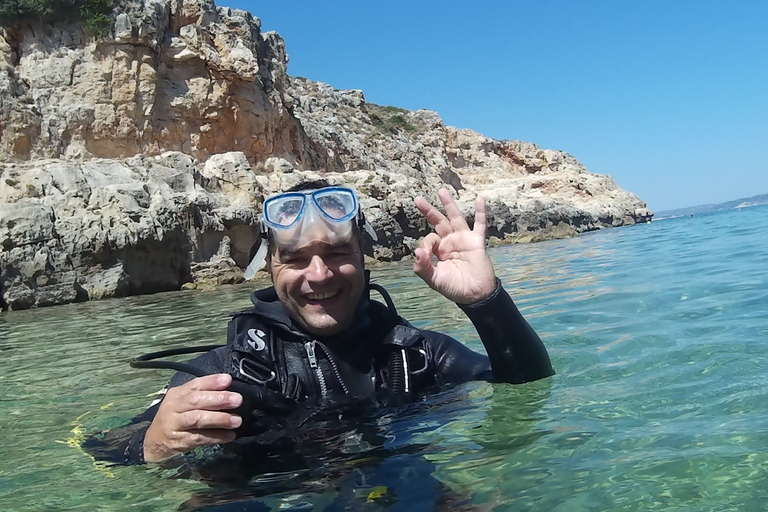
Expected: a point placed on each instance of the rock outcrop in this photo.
(138, 162)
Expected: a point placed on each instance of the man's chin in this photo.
(328, 326)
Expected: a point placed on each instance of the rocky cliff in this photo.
(137, 162)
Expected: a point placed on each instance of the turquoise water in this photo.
(658, 333)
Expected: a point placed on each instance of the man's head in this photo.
(315, 255)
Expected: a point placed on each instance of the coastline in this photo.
(151, 177)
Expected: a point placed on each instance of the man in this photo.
(316, 336)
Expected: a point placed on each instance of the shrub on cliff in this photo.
(94, 13)
(388, 119)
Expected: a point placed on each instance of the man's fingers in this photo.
(215, 382)
(439, 221)
(444, 224)
(430, 244)
(204, 393)
(209, 437)
(481, 222)
(213, 400)
(455, 217)
(422, 265)
(187, 440)
(177, 432)
(193, 414)
(199, 420)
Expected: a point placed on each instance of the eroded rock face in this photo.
(138, 163)
(181, 76)
(100, 228)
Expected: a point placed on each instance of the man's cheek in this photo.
(349, 268)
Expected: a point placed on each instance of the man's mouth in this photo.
(321, 296)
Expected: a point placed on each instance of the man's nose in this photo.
(318, 270)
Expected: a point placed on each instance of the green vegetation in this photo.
(398, 121)
(393, 110)
(93, 13)
(375, 119)
(389, 119)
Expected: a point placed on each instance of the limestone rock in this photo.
(138, 162)
(179, 75)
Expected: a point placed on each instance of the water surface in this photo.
(658, 333)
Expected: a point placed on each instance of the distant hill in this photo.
(709, 208)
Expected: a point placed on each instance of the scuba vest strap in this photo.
(252, 351)
(402, 336)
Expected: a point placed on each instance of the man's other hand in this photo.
(191, 415)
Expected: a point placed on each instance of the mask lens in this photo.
(296, 218)
(338, 204)
(284, 210)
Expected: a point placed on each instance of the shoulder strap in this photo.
(253, 346)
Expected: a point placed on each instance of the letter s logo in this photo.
(256, 339)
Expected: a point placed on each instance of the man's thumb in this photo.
(422, 265)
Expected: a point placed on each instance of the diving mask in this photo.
(296, 219)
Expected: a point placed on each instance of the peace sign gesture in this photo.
(463, 272)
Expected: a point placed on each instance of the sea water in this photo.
(658, 333)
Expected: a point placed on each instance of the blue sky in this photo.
(668, 97)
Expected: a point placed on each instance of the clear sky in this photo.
(670, 97)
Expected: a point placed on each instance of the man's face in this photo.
(320, 284)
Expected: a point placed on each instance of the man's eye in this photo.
(294, 261)
(341, 253)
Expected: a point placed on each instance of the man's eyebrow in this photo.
(289, 253)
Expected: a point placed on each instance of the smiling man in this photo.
(316, 263)
(319, 285)
(316, 336)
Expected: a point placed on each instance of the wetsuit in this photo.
(381, 359)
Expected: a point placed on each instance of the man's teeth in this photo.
(321, 296)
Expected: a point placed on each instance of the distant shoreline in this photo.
(745, 202)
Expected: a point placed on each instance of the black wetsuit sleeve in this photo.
(455, 362)
(516, 352)
(125, 445)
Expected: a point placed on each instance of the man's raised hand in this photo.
(463, 271)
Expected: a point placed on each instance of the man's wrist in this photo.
(134, 449)
(488, 298)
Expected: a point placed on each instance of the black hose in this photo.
(387, 298)
(148, 360)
